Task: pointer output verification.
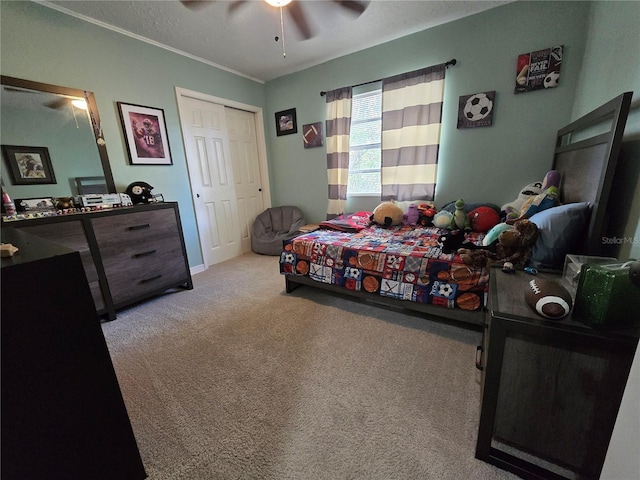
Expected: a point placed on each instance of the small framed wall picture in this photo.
(312, 135)
(145, 134)
(538, 70)
(29, 165)
(476, 110)
(286, 122)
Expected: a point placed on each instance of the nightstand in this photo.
(551, 389)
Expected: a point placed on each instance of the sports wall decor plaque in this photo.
(538, 70)
(312, 135)
(476, 110)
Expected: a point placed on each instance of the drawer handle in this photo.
(144, 254)
(150, 279)
(479, 350)
(139, 227)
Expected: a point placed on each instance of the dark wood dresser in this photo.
(128, 254)
(551, 389)
(63, 415)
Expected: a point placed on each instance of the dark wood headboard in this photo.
(586, 155)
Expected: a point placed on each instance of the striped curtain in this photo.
(411, 120)
(338, 127)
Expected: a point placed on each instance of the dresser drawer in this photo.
(114, 232)
(141, 253)
(72, 235)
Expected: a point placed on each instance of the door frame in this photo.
(260, 137)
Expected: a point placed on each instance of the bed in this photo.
(406, 267)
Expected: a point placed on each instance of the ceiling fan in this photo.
(52, 101)
(293, 8)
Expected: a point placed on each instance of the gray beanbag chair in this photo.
(273, 226)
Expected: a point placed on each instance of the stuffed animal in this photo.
(512, 209)
(483, 219)
(451, 241)
(63, 203)
(551, 179)
(476, 258)
(493, 234)
(412, 215)
(442, 219)
(549, 198)
(387, 214)
(454, 240)
(513, 245)
(460, 219)
(427, 212)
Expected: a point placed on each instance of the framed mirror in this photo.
(63, 122)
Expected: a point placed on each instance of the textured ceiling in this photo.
(242, 41)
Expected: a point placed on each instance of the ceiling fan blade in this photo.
(235, 6)
(353, 5)
(195, 4)
(57, 103)
(299, 19)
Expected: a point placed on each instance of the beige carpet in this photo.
(238, 380)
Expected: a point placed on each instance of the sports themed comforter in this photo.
(401, 262)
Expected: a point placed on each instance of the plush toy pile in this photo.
(510, 234)
(513, 245)
(456, 215)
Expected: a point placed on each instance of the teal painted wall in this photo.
(47, 46)
(480, 165)
(611, 66)
(484, 164)
(67, 139)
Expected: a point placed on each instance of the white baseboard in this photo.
(197, 269)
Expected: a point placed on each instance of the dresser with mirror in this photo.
(129, 254)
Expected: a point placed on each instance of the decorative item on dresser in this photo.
(551, 389)
(63, 415)
(129, 254)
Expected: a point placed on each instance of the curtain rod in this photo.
(451, 62)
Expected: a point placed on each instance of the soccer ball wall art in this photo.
(476, 110)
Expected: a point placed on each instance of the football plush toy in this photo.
(548, 298)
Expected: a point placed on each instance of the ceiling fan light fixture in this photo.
(79, 103)
(278, 3)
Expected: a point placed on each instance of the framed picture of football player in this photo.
(29, 165)
(286, 122)
(145, 134)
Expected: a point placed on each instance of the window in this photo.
(365, 155)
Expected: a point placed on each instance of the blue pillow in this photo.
(559, 229)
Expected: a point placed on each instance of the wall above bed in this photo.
(481, 165)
